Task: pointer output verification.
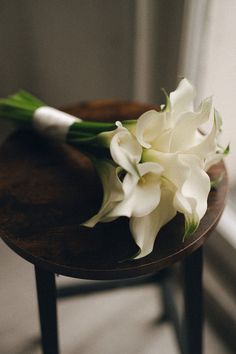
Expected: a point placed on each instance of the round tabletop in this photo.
(47, 189)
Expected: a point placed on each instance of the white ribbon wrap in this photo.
(51, 121)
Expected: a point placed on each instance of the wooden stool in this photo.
(47, 189)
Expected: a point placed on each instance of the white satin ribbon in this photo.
(51, 121)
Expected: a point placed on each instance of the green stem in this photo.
(93, 127)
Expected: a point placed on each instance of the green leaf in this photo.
(215, 182)
(226, 150)
(19, 107)
(190, 227)
(167, 106)
(222, 150)
(24, 95)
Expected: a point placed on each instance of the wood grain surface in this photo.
(47, 189)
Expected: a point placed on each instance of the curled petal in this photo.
(191, 183)
(181, 100)
(124, 147)
(145, 229)
(150, 125)
(186, 133)
(191, 197)
(174, 169)
(112, 192)
(142, 194)
(207, 149)
(125, 150)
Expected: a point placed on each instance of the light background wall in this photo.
(65, 51)
(208, 58)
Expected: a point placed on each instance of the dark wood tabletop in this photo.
(47, 189)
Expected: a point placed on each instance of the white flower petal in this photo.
(149, 126)
(181, 100)
(182, 204)
(145, 229)
(174, 169)
(142, 195)
(125, 150)
(207, 148)
(150, 167)
(197, 186)
(192, 184)
(112, 192)
(112, 186)
(191, 197)
(163, 141)
(185, 133)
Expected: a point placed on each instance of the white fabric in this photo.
(51, 121)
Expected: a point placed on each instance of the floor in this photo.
(115, 322)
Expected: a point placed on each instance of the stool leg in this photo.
(46, 291)
(193, 301)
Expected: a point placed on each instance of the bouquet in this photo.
(151, 168)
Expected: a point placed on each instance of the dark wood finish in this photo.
(46, 291)
(47, 189)
(193, 302)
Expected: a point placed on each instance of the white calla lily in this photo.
(124, 147)
(112, 192)
(135, 196)
(125, 150)
(141, 193)
(194, 191)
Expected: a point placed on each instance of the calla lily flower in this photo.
(112, 192)
(124, 148)
(141, 192)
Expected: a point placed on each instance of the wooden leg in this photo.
(46, 291)
(193, 301)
